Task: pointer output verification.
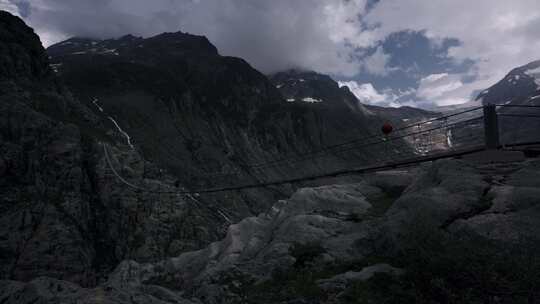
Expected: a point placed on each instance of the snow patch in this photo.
(79, 53)
(311, 100)
(55, 66)
(291, 99)
(279, 86)
(109, 51)
(534, 73)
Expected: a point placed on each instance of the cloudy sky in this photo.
(389, 52)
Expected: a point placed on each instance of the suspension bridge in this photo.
(450, 136)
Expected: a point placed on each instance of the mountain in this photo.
(98, 137)
(299, 87)
(313, 87)
(63, 213)
(318, 90)
(88, 125)
(403, 115)
(210, 118)
(97, 145)
(521, 87)
(175, 92)
(521, 84)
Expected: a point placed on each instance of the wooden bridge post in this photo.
(491, 127)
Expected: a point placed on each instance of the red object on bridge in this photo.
(387, 128)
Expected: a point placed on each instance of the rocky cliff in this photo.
(64, 214)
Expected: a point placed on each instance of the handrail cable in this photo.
(330, 147)
(187, 193)
(372, 143)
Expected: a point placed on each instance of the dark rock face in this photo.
(402, 115)
(312, 87)
(198, 115)
(63, 213)
(208, 118)
(21, 55)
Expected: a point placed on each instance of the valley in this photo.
(110, 150)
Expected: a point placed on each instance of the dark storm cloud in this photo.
(347, 38)
(272, 35)
(24, 8)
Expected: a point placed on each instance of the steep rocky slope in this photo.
(210, 120)
(63, 212)
(206, 117)
(299, 86)
(403, 115)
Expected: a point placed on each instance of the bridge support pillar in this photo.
(491, 127)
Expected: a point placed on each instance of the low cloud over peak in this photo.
(473, 43)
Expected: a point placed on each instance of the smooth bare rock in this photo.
(446, 190)
(513, 216)
(520, 227)
(392, 182)
(340, 282)
(47, 290)
(495, 157)
(257, 246)
(529, 176)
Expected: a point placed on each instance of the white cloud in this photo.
(324, 35)
(497, 35)
(377, 63)
(446, 89)
(367, 94)
(437, 85)
(7, 5)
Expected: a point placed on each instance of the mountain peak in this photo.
(185, 41)
(519, 83)
(312, 87)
